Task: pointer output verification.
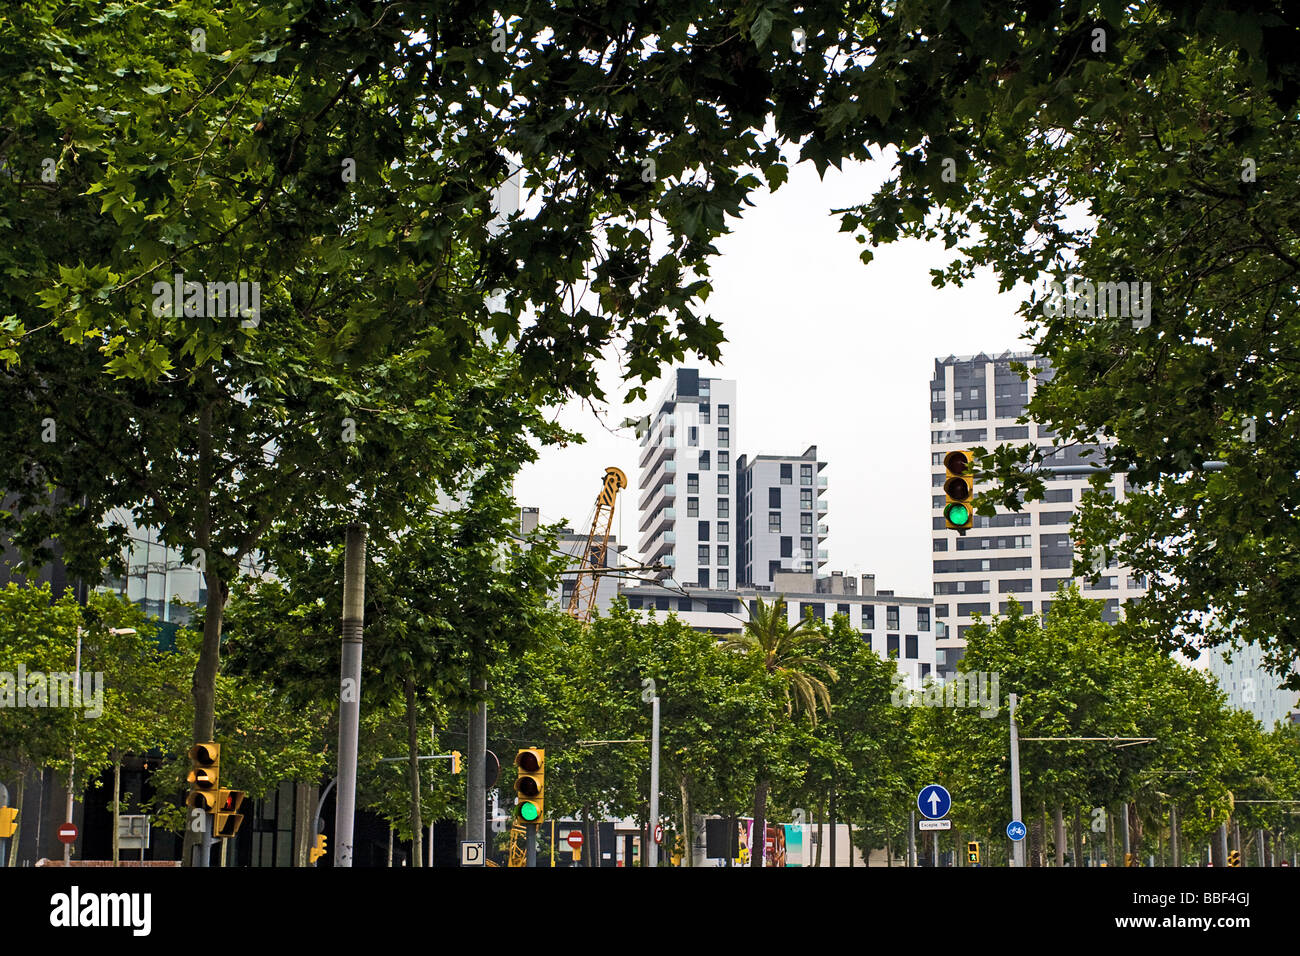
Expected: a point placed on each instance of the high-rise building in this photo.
(1025, 555)
(1242, 676)
(782, 507)
(687, 496)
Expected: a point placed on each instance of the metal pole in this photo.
(72, 767)
(1018, 847)
(530, 844)
(1173, 834)
(652, 851)
(1124, 823)
(1223, 845)
(476, 767)
(911, 838)
(1261, 851)
(354, 594)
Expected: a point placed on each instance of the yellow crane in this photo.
(592, 564)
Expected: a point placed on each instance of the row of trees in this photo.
(776, 722)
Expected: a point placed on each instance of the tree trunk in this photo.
(1060, 836)
(821, 826)
(688, 830)
(593, 838)
(759, 839)
(1078, 838)
(117, 804)
(204, 685)
(413, 753)
(834, 828)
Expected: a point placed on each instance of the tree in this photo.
(786, 653)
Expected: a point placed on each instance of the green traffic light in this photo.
(528, 811)
(958, 514)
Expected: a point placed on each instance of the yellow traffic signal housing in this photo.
(455, 761)
(228, 816)
(959, 491)
(318, 849)
(1234, 858)
(8, 822)
(204, 776)
(972, 852)
(530, 785)
(1130, 859)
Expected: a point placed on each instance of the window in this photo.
(891, 619)
(692, 483)
(1059, 494)
(805, 474)
(704, 461)
(806, 545)
(842, 609)
(787, 547)
(704, 577)
(724, 484)
(661, 603)
(774, 521)
(774, 497)
(704, 414)
(724, 414)
(724, 437)
(692, 507)
(702, 555)
(703, 531)
(787, 474)
(724, 553)
(925, 670)
(724, 531)
(772, 568)
(817, 610)
(692, 436)
(724, 579)
(805, 499)
(724, 461)
(922, 618)
(805, 523)
(940, 544)
(936, 458)
(868, 616)
(724, 507)
(684, 604)
(1015, 585)
(974, 608)
(891, 645)
(974, 394)
(912, 647)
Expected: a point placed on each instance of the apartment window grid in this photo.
(805, 475)
(724, 437)
(724, 507)
(805, 523)
(724, 531)
(787, 474)
(724, 414)
(891, 618)
(724, 484)
(774, 522)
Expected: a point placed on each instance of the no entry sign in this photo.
(68, 833)
(575, 839)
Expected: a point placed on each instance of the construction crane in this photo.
(592, 564)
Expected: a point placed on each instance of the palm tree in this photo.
(783, 650)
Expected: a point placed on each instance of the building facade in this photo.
(1242, 676)
(1025, 555)
(687, 495)
(782, 511)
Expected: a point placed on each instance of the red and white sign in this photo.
(575, 839)
(659, 833)
(68, 833)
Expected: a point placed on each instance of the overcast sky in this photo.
(825, 351)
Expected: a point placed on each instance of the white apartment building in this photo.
(1241, 675)
(687, 495)
(782, 511)
(976, 400)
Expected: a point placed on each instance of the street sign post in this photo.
(934, 801)
(67, 833)
(1015, 831)
(934, 825)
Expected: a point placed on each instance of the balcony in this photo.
(652, 524)
(823, 530)
(821, 481)
(656, 450)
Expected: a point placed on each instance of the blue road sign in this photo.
(1016, 830)
(934, 801)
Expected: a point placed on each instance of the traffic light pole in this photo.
(354, 603)
(530, 844)
(1017, 846)
(652, 852)
(476, 767)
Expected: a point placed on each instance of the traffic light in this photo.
(959, 489)
(228, 816)
(1131, 859)
(1234, 858)
(455, 761)
(530, 765)
(973, 853)
(204, 777)
(8, 822)
(318, 848)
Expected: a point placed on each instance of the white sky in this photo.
(825, 351)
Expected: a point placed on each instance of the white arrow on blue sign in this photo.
(934, 801)
(1016, 830)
